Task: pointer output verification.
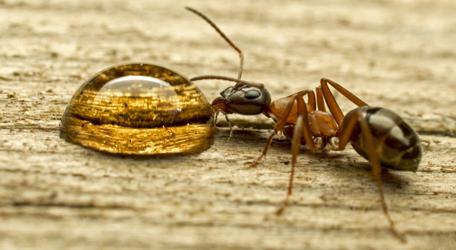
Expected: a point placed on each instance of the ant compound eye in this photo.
(225, 93)
(252, 94)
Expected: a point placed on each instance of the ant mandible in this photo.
(378, 134)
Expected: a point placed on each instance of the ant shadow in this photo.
(340, 163)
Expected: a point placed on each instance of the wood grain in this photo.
(55, 195)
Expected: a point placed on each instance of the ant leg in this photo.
(295, 145)
(278, 127)
(350, 96)
(214, 122)
(230, 125)
(331, 101)
(311, 100)
(320, 100)
(344, 137)
(311, 103)
(301, 129)
(305, 128)
(281, 123)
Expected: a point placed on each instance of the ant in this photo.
(378, 134)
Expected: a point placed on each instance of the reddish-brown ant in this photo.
(378, 134)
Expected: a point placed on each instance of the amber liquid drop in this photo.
(139, 109)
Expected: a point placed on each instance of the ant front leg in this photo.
(278, 127)
(351, 122)
(230, 125)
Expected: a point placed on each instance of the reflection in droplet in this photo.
(139, 109)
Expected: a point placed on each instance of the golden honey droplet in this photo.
(139, 109)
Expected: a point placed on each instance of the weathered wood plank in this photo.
(54, 195)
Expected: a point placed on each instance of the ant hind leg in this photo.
(345, 133)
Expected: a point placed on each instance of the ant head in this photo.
(244, 99)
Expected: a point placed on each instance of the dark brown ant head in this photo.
(244, 99)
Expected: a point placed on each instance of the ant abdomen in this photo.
(395, 141)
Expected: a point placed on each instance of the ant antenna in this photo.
(220, 32)
(226, 78)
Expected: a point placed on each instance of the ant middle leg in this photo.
(320, 100)
(282, 121)
(301, 130)
(311, 100)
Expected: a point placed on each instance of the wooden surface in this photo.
(55, 195)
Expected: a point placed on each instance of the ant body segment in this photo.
(378, 134)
